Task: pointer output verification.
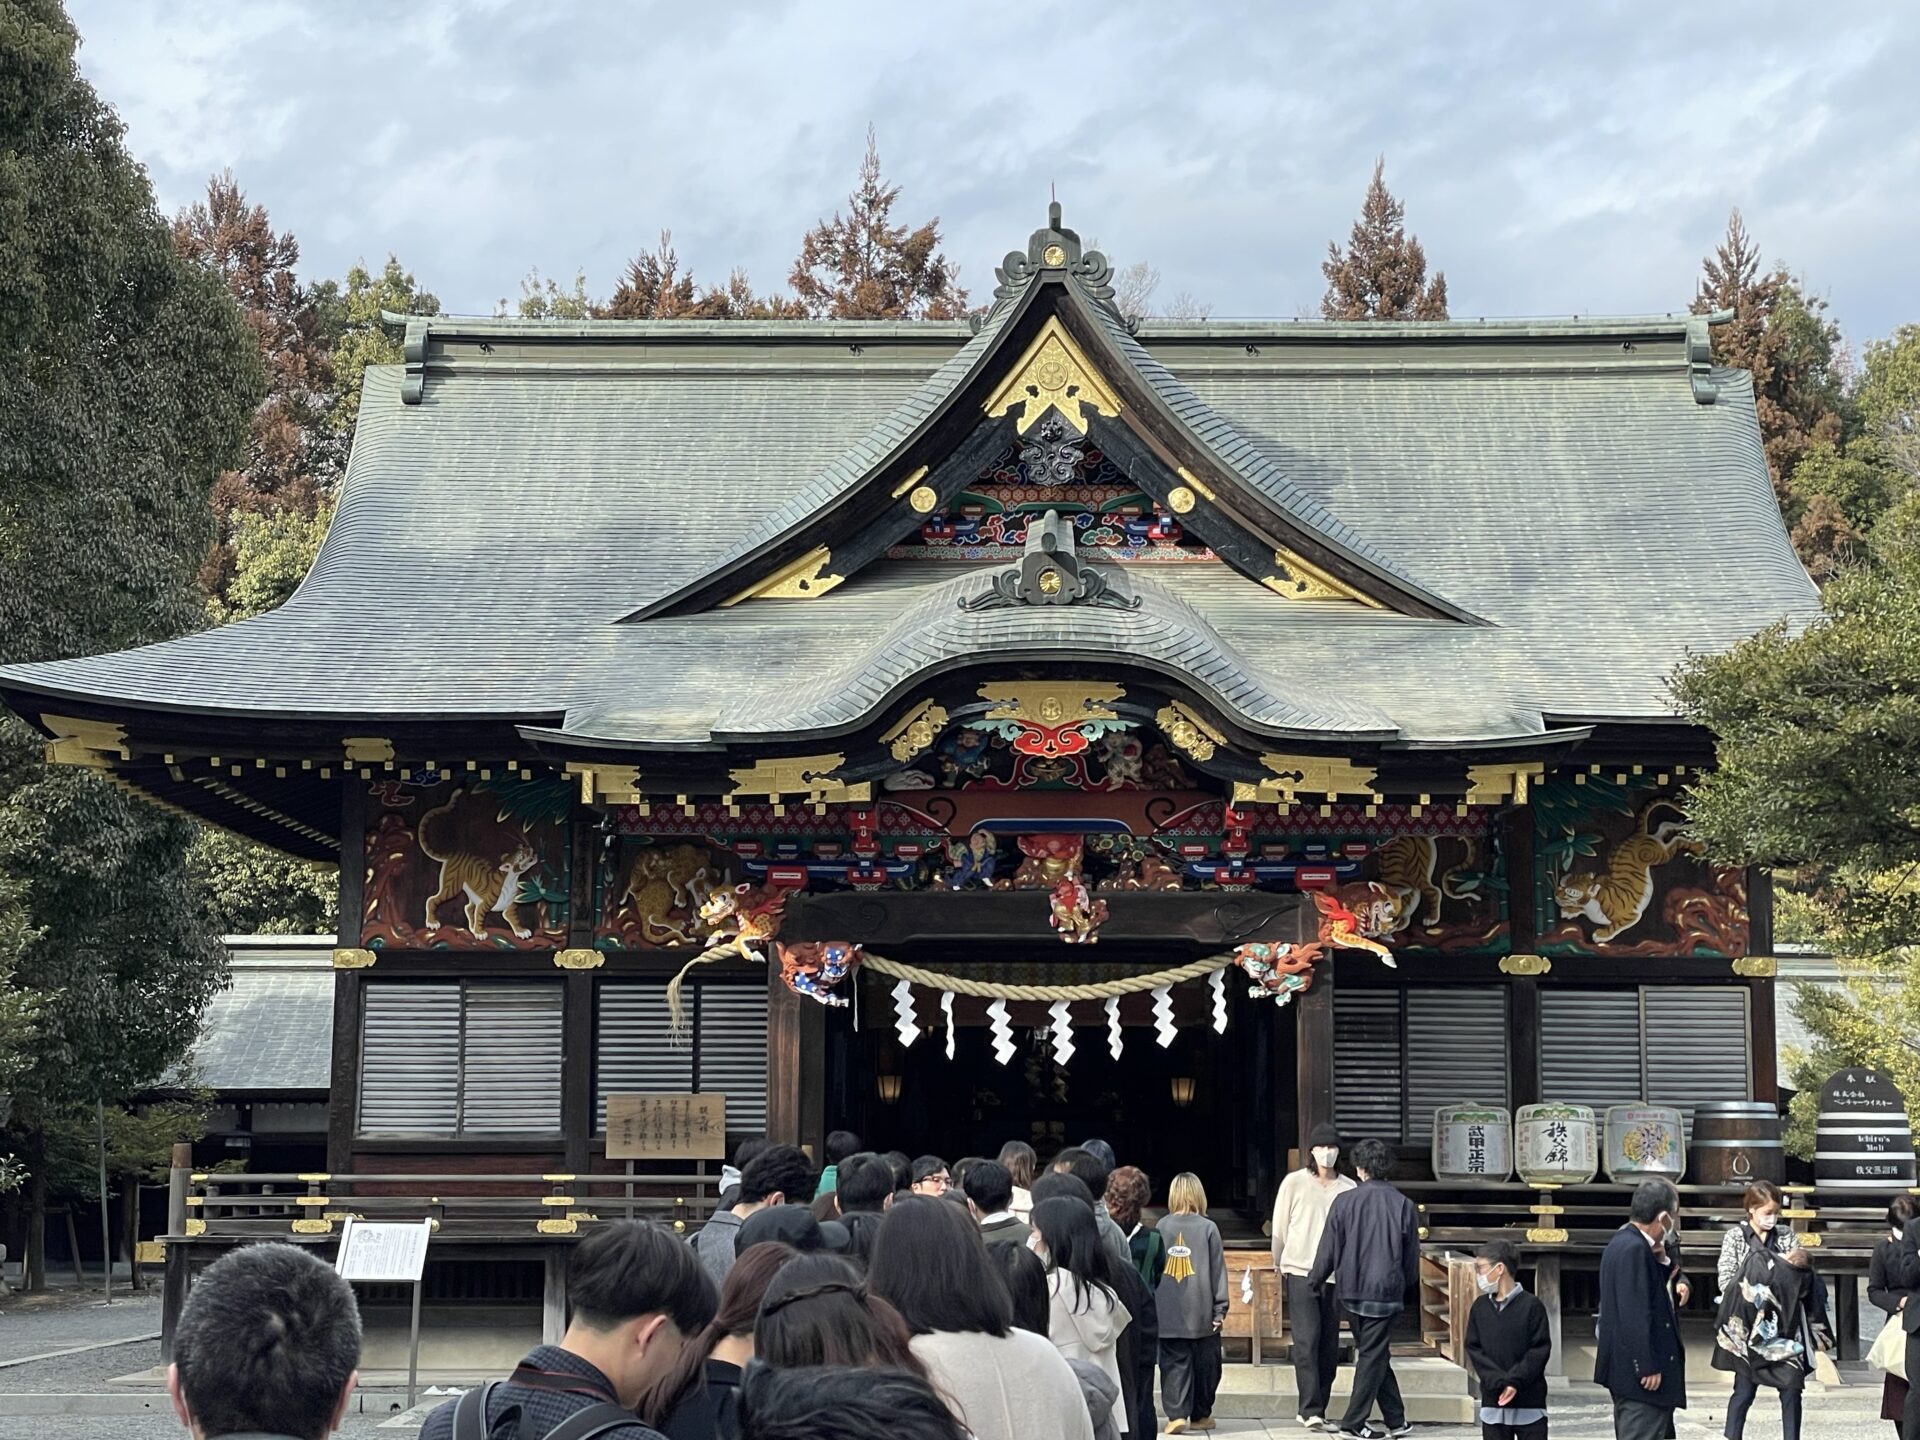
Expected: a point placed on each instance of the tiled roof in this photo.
(1561, 482)
(271, 1029)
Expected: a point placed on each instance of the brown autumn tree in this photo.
(286, 462)
(1382, 275)
(1781, 337)
(656, 288)
(861, 266)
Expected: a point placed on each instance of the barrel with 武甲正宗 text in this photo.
(1736, 1142)
(1863, 1143)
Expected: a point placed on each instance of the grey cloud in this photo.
(1553, 159)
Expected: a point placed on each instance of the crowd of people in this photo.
(917, 1300)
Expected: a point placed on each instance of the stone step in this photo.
(1435, 1391)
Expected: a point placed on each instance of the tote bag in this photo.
(1889, 1352)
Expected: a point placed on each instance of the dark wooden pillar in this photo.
(343, 1101)
(576, 1068)
(1523, 1003)
(1761, 1009)
(1314, 1052)
(796, 1067)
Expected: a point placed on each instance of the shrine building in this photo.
(1053, 726)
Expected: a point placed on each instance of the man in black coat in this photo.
(1508, 1344)
(1641, 1362)
(1371, 1249)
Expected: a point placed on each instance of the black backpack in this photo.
(471, 1410)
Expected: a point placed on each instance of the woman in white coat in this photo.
(1085, 1314)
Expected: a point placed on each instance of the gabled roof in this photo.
(1053, 316)
(1564, 509)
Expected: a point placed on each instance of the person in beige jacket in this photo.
(1299, 1218)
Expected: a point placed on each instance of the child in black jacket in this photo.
(1508, 1346)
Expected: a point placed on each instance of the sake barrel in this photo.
(1645, 1142)
(1472, 1142)
(1556, 1144)
(1736, 1142)
(1863, 1145)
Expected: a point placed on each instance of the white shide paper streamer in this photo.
(1113, 1026)
(1001, 1030)
(1163, 1015)
(1218, 981)
(905, 1025)
(1062, 1032)
(946, 1009)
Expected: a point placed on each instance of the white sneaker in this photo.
(1315, 1423)
(1400, 1430)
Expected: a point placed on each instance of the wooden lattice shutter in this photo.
(632, 1045)
(1590, 1047)
(1456, 1050)
(510, 1064)
(1697, 1045)
(410, 1059)
(731, 1052)
(1368, 1074)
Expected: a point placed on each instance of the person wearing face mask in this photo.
(1313, 1315)
(1508, 1345)
(1788, 1306)
(1641, 1362)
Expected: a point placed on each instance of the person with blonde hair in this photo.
(1191, 1304)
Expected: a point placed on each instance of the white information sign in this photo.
(373, 1251)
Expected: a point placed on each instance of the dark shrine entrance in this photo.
(1220, 1105)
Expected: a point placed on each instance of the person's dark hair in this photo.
(1652, 1199)
(817, 1311)
(778, 1170)
(902, 1166)
(631, 1268)
(1026, 1276)
(1052, 1186)
(1900, 1210)
(1073, 1244)
(925, 1168)
(1324, 1136)
(957, 1172)
(1502, 1252)
(930, 1261)
(841, 1144)
(824, 1403)
(989, 1186)
(266, 1341)
(747, 1149)
(1760, 1193)
(1078, 1160)
(1103, 1152)
(1019, 1159)
(1375, 1157)
(753, 1270)
(1128, 1191)
(864, 1182)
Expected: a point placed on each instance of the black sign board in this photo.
(1863, 1142)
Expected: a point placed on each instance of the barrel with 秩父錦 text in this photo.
(1736, 1142)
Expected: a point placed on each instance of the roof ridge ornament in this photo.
(1050, 573)
(1054, 247)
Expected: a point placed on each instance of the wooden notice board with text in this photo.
(666, 1127)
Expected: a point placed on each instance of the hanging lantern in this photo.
(888, 1088)
(1183, 1090)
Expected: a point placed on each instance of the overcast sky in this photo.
(1553, 159)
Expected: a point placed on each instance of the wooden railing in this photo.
(478, 1206)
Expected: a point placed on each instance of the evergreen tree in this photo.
(357, 337)
(861, 266)
(128, 378)
(1780, 336)
(1383, 273)
(654, 287)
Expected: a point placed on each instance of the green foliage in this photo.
(357, 337)
(272, 552)
(1865, 1020)
(543, 299)
(128, 378)
(250, 890)
(861, 266)
(1887, 403)
(1382, 275)
(140, 1141)
(656, 288)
